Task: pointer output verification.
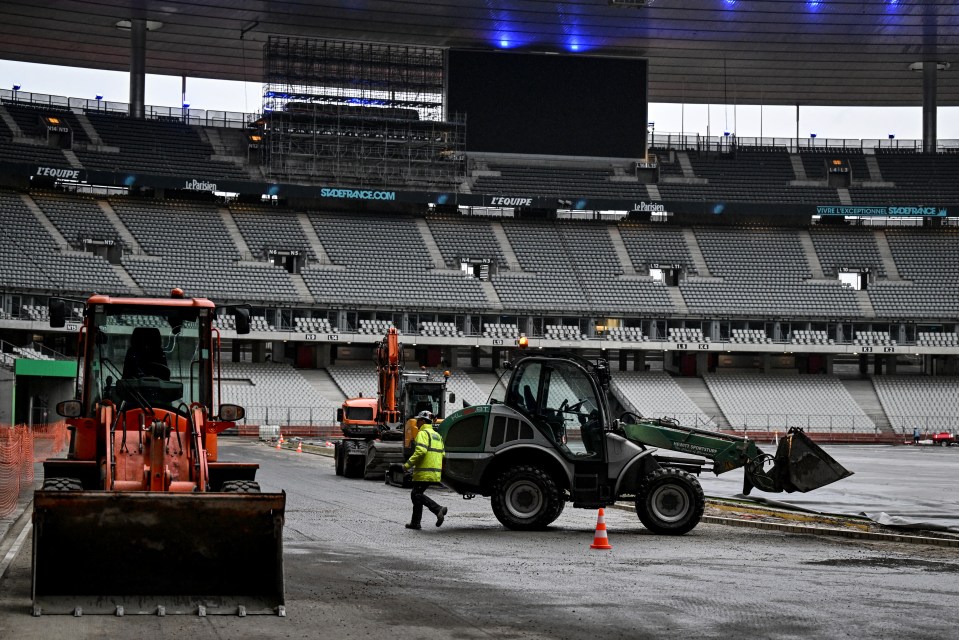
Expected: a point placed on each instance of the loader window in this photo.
(571, 400)
(148, 356)
(524, 389)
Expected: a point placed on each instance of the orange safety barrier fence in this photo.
(20, 447)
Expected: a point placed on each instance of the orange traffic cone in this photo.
(281, 438)
(278, 443)
(299, 447)
(600, 541)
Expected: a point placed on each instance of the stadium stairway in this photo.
(321, 380)
(620, 248)
(310, 232)
(235, 234)
(88, 128)
(490, 290)
(42, 218)
(892, 273)
(677, 300)
(505, 246)
(815, 267)
(798, 167)
(72, 159)
(862, 298)
(864, 393)
(121, 228)
(695, 252)
(697, 391)
(431, 247)
(10, 122)
(875, 173)
(683, 159)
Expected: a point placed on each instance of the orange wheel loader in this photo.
(141, 516)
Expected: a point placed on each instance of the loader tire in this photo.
(670, 501)
(526, 498)
(241, 486)
(62, 484)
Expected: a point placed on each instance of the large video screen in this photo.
(568, 105)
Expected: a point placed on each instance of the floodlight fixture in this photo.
(16, 87)
(127, 25)
(940, 66)
(892, 136)
(812, 135)
(99, 97)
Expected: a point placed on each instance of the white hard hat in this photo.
(425, 415)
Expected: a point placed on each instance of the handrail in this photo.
(201, 117)
(727, 144)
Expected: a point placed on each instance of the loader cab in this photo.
(563, 398)
(148, 355)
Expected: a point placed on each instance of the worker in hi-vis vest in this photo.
(427, 465)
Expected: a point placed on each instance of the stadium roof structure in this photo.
(808, 52)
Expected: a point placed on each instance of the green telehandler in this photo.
(516, 450)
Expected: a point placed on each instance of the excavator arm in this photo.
(798, 465)
(389, 368)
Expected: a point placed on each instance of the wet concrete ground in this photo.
(354, 571)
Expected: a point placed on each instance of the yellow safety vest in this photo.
(427, 458)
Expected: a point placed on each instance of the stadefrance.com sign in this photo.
(357, 194)
(894, 211)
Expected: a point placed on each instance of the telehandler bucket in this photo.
(802, 465)
(157, 553)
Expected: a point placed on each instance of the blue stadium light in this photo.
(99, 97)
(725, 134)
(16, 87)
(186, 105)
(892, 136)
(812, 135)
(730, 3)
(815, 5)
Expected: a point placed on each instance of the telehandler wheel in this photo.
(241, 486)
(670, 501)
(62, 484)
(339, 463)
(526, 498)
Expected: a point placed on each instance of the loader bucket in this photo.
(802, 465)
(157, 553)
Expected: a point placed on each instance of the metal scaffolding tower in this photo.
(359, 114)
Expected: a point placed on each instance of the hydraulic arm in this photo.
(799, 464)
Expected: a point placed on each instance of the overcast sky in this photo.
(743, 120)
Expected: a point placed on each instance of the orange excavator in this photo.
(379, 431)
(142, 516)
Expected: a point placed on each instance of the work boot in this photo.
(440, 516)
(413, 525)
